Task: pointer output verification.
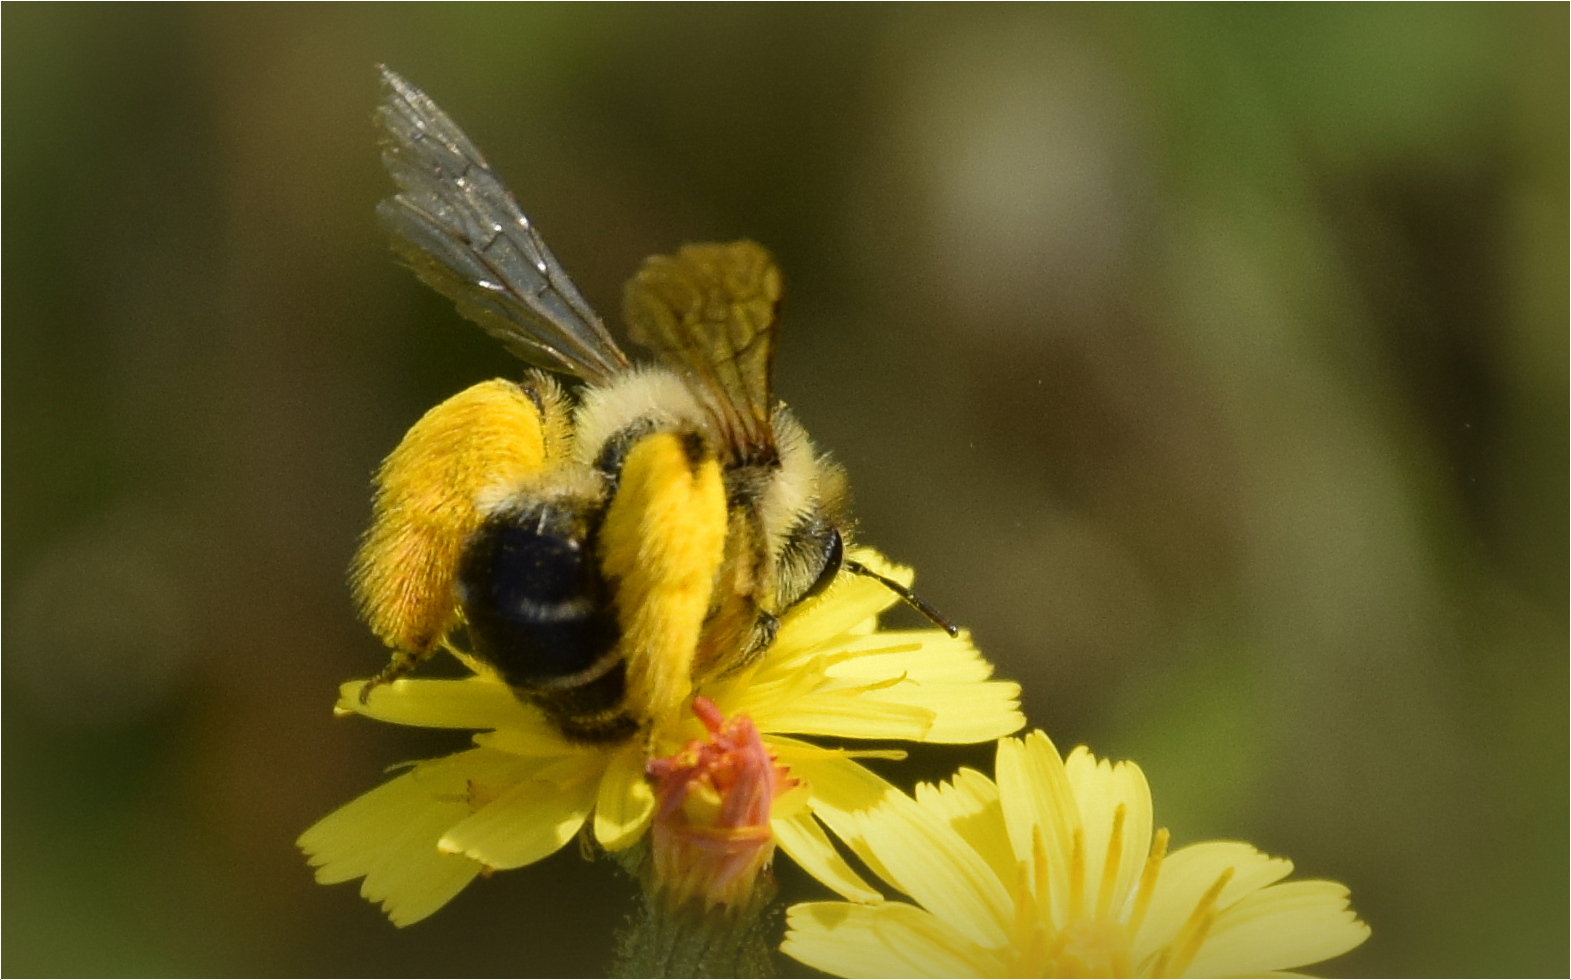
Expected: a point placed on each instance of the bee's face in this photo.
(606, 553)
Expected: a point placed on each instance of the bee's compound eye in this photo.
(834, 555)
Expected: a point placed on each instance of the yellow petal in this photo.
(475, 702)
(839, 788)
(925, 655)
(969, 803)
(1038, 802)
(769, 683)
(838, 783)
(537, 744)
(530, 821)
(845, 714)
(1185, 876)
(927, 860)
(800, 836)
(625, 802)
(1289, 925)
(1100, 788)
(923, 669)
(961, 713)
(389, 836)
(889, 940)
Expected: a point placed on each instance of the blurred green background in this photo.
(1209, 362)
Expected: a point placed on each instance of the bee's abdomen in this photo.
(537, 612)
(533, 599)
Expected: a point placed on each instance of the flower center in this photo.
(1088, 948)
(1094, 940)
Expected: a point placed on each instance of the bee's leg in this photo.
(493, 435)
(763, 636)
(402, 663)
(662, 542)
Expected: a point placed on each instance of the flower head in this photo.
(1054, 871)
(713, 802)
(523, 791)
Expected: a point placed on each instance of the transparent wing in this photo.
(457, 226)
(709, 312)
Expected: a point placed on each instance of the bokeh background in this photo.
(1209, 362)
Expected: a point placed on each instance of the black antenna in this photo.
(915, 601)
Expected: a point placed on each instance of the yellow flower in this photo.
(1054, 872)
(524, 791)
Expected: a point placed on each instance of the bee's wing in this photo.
(458, 227)
(709, 312)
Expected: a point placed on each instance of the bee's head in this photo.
(805, 513)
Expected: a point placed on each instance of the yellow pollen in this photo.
(1088, 948)
(1095, 943)
(1110, 863)
(1030, 927)
(1176, 958)
(1043, 880)
(1148, 877)
(1077, 874)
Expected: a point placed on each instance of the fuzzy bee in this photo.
(607, 551)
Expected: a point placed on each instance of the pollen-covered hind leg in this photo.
(482, 440)
(662, 544)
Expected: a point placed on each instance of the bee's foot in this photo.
(389, 674)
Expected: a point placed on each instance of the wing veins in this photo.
(456, 224)
(709, 311)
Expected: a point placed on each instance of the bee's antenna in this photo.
(915, 601)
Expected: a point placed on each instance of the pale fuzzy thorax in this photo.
(652, 393)
(794, 489)
(567, 482)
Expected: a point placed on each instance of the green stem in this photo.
(661, 941)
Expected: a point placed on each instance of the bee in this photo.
(605, 550)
